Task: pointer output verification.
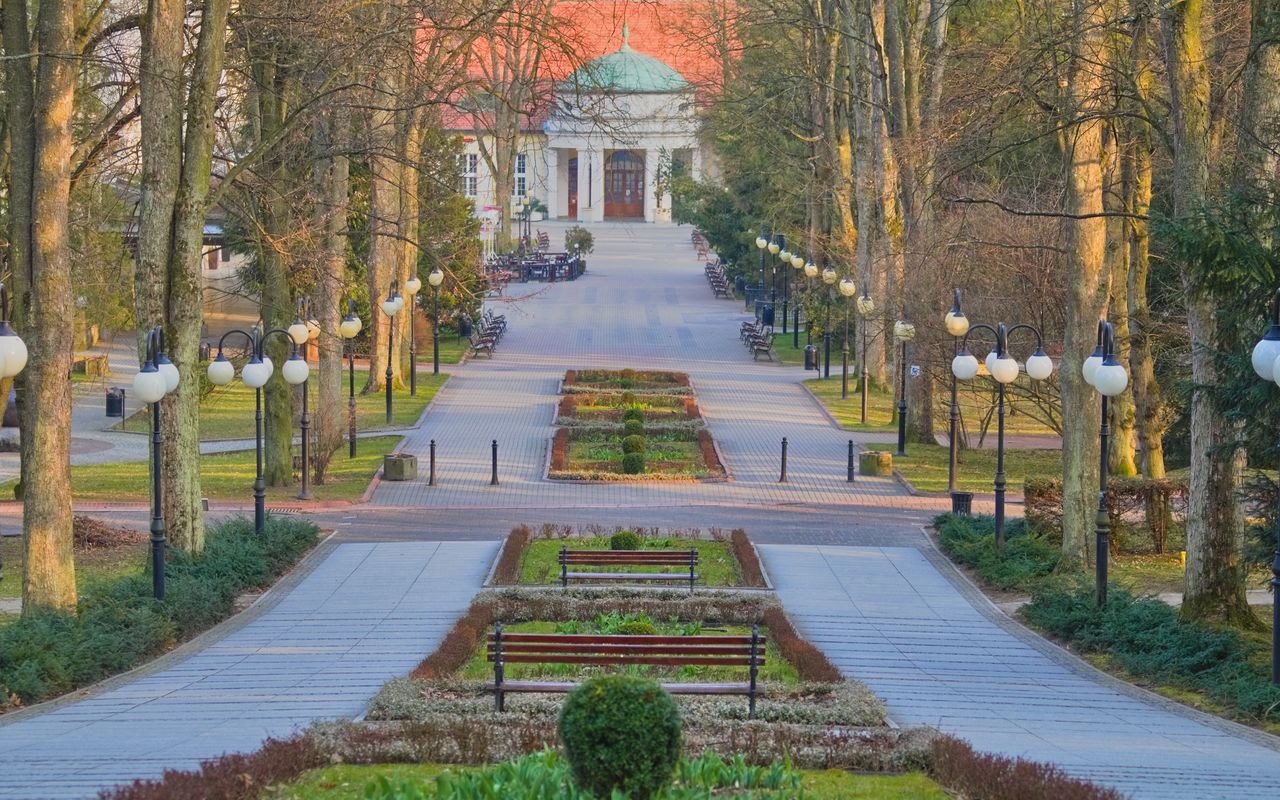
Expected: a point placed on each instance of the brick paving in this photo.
(365, 614)
(942, 656)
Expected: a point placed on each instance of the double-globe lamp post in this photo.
(435, 278)
(1105, 373)
(411, 287)
(156, 378)
(391, 306)
(349, 329)
(1003, 368)
(866, 307)
(13, 351)
(255, 374)
(847, 290)
(957, 324)
(1266, 362)
(904, 332)
(829, 277)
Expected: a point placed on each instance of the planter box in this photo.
(399, 467)
(875, 462)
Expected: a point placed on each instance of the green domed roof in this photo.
(627, 71)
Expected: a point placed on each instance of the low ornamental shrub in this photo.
(1146, 638)
(507, 572)
(1028, 557)
(568, 405)
(633, 463)
(236, 776)
(633, 414)
(633, 444)
(962, 770)
(621, 732)
(691, 408)
(748, 559)
(637, 627)
(633, 427)
(560, 450)
(625, 540)
(709, 454)
(118, 624)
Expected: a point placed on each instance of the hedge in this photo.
(118, 624)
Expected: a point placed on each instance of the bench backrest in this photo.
(599, 649)
(683, 558)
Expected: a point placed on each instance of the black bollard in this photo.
(850, 478)
(431, 478)
(494, 480)
(783, 478)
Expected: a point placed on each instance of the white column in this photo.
(597, 186)
(584, 185)
(695, 162)
(650, 181)
(550, 167)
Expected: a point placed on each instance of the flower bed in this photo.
(623, 379)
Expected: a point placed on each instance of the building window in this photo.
(522, 184)
(470, 164)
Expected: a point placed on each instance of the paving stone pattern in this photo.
(643, 303)
(888, 617)
(367, 613)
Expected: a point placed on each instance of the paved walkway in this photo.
(317, 650)
(944, 656)
(645, 304)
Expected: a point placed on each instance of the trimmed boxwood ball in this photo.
(621, 732)
(633, 463)
(638, 627)
(633, 444)
(625, 540)
(633, 413)
(633, 427)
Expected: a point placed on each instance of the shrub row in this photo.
(1146, 638)
(968, 773)
(236, 776)
(507, 571)
(748, 559)
(118, 624)
(1160, 504)
(574, 377)
(1028, 557)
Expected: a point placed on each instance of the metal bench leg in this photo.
(693, 559)
(498, 699)
(564, 567)
(751, 693)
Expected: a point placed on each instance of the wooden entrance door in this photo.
(573, 188)
(624, 185)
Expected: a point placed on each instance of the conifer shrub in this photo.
(625, 540)
(633, 444)
(633, 463)
(621, 732)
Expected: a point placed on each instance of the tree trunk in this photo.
(384, 248)
(42, 160)
(332, 185)
(1086, 281)
(1214, 582)
(1121, 445)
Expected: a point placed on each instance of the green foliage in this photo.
(580, 237)
(633, 413)
(1028, 557)
(633, 463)
(621, 732)
(118, 624)
(633, 427)
(625, 540)
(638, 627)
(1146, 638)
(633, 444)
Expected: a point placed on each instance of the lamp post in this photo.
(797, 265)
(829, 278)
(1108, 376)
(13, 351)
(1266, 360)
(782, 256)
(412, 287)
(349, 328)
(1004, 369)
(865, 307)
(391, 306)
(300, 334)
(904, 332)
(762, 244)
(774, 247)
(156, 378)
(435, 279)
(847, 289)
(255, 375)
(957, 325)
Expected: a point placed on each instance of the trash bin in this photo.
(399, 467)
(765, 312)
(962, 503)
(464, 326)
(739, 283)
(115, 402)
(811, 356)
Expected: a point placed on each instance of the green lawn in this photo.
(925, 466)
(716, 565)
(784, 352)
(226, 412)
(661, 456)
(230, 476)
(776, 669)
(848, 412)
(452, 347)
(92, 566)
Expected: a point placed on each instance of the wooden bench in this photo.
(608, 650)
(630, 558)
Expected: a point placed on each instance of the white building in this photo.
(605, 149)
